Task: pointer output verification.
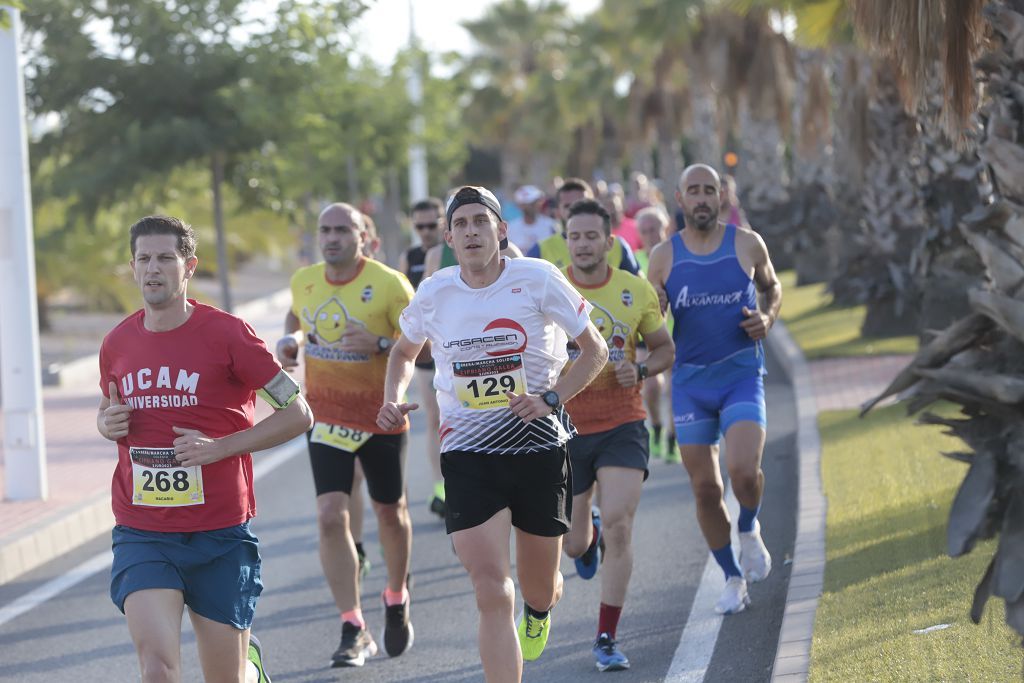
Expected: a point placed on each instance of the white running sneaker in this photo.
(734, 596)
(755, 561)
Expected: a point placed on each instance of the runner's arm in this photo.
(593, 356)
(287, 348)
(192, 447)
(403, 264)
(768, 286)
(432, 261)
(657, 271)
(400, 371)
(661, 351)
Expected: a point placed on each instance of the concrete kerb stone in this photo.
(793, 657)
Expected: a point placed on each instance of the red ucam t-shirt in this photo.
(201, 375)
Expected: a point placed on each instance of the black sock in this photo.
(359, 550)
(535, 614)
(657, 433)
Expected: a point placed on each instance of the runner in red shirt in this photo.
(179, 382)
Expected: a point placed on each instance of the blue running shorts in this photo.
(703, 414)
(218, 571)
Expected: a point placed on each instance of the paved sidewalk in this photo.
(843, 383)
(80, 462)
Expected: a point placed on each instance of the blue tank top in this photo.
(707, 294)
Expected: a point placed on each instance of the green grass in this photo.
(823, 330)
(886, 571)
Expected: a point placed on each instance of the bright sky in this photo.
(384, 28)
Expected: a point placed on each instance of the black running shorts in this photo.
(383, 461)
(623, 446)
(534, 487)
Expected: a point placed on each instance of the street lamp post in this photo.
(20, 376)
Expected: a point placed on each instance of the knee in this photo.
(494, 593)
(618, 534)
(708, 492)
(744, 479)
(158, 667)
(391, 515)
(332, 517)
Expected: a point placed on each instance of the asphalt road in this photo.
(80, 636)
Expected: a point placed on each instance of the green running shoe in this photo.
(657, 447)
(436, 502)
(533, 634)
(256, 657)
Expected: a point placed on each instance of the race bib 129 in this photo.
(481, 384)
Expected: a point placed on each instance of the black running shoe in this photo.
(356, 647)
(398, 633)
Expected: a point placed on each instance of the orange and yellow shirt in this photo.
(625, 308)
(345, 388)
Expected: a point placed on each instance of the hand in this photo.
(392, 415)
(288, 352)
(627, 374)
(358, 339)
(192, 447)
(756, 324)
(662, 297)
(527, 407)
(116, 416)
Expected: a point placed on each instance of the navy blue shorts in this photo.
(703, 414)
(624, 446)
(218, 571)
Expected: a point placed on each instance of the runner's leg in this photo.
(701, 462)
(223, 650)
(484, 552)
(537, 560)
(621, 487)
(337, 549)
(154, 623)
(581, 531)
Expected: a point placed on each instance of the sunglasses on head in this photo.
(426, 226)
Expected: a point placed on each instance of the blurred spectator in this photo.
(534, 225)
(622, 226)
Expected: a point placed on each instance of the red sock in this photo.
(354, 616)
(608, 620)
(393, 598)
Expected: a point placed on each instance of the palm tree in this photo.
(976, 361)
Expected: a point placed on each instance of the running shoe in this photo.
(356, 647)
(587, 563)
(607, 656)
(672, 451)
(734, 596)
(436, 502)
(755, 561)
(533, 634)
(364, 563)
(256, 657)
(398, 631)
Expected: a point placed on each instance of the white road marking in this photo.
(697, 642)
(262, 465)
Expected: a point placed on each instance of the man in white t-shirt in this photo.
(533, 226)
(498, 329)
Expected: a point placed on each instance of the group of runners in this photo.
(531, 373)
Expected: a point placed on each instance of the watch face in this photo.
(551, 398)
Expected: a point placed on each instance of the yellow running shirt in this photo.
(625, 307)
(344, 388)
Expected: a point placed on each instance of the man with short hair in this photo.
(345, 309)
(179, 381)
(533, 225)
(428, 221)
(554, 249)
(498, 329)
(611, 443)
(711, 274)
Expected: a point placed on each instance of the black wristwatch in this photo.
(551, 399)
(383, 344)
(641, 370)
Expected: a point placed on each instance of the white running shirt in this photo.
(487, 340)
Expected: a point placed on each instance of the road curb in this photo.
(793, 657)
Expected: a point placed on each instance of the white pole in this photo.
(20, 376)
(418, 184)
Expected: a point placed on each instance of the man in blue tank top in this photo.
(711, 274)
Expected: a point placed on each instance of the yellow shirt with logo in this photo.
(625, 307)
(342, 387)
